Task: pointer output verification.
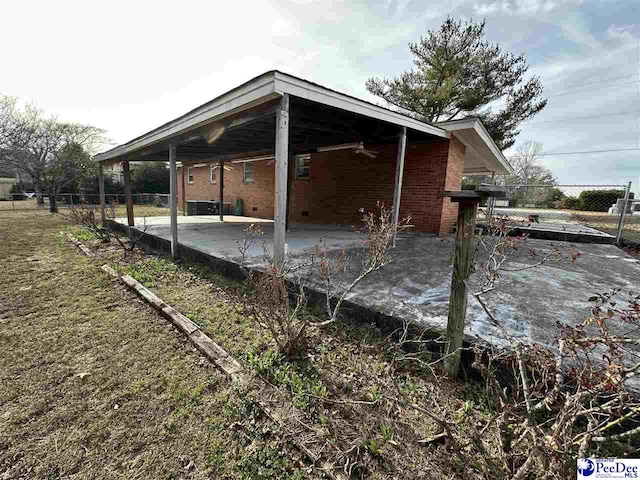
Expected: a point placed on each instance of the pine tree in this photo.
(458, 74)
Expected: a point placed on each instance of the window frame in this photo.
(213, 178)
(303, 157)
(190, 175)
(244, 172)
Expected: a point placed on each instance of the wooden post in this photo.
(103, 215)
(221, 180)
(282, 161)
(468, 201)
(458, 299)
(402, 147)
(127, 193)
(173, 200)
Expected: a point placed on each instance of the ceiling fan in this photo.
(357, 147)
(361, 150)
(226, 167)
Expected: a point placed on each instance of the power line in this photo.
(572, 91)
(597, 82)
(584, 117)
(582, 152)
(588, 89)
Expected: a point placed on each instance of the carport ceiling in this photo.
(311, 125)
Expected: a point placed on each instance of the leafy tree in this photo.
(91, 186)
(54, 154)
(150, 177)
(457, 74)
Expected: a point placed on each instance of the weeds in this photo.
(85, 216)
(303, 383)
(279, 289)
(264, 458)
(150, 270)
(378, 232)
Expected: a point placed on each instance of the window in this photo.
(212, 176)
(303, 166)
(248, 172)
(190, 174)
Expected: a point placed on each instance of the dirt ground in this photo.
(95, 384)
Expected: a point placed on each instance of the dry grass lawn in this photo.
(336, 382)
(609, 224)
(95, 384)
(20, 207)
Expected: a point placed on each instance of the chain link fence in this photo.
(26, 202)
(608, 208)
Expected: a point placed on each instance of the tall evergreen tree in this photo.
(458, 74)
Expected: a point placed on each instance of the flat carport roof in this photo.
(242, 121)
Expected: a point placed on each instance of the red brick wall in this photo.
(258, 197)
(341, 182)
(453, 181)
(181, 172)
(423, 182)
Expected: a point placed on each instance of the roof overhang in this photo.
(482, 155)
(258, 91)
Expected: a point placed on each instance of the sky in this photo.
(129, 66)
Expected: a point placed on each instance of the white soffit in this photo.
(482, 155)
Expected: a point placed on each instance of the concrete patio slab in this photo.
(565, 232)
(415, 285)
(191, 219)
(220, 239)
(559, 225)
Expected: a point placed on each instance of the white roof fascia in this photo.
(300, 88)
(478, 127)
(256, 92)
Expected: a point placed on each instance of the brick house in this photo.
(300, 153)
(333, 187)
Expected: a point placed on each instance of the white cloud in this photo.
(521, 7)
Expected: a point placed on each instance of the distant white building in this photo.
(6, 184)
(114, 171)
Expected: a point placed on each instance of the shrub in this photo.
(599, 200)
(570, 203)
(548, 198)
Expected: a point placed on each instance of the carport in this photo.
(277, 115)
